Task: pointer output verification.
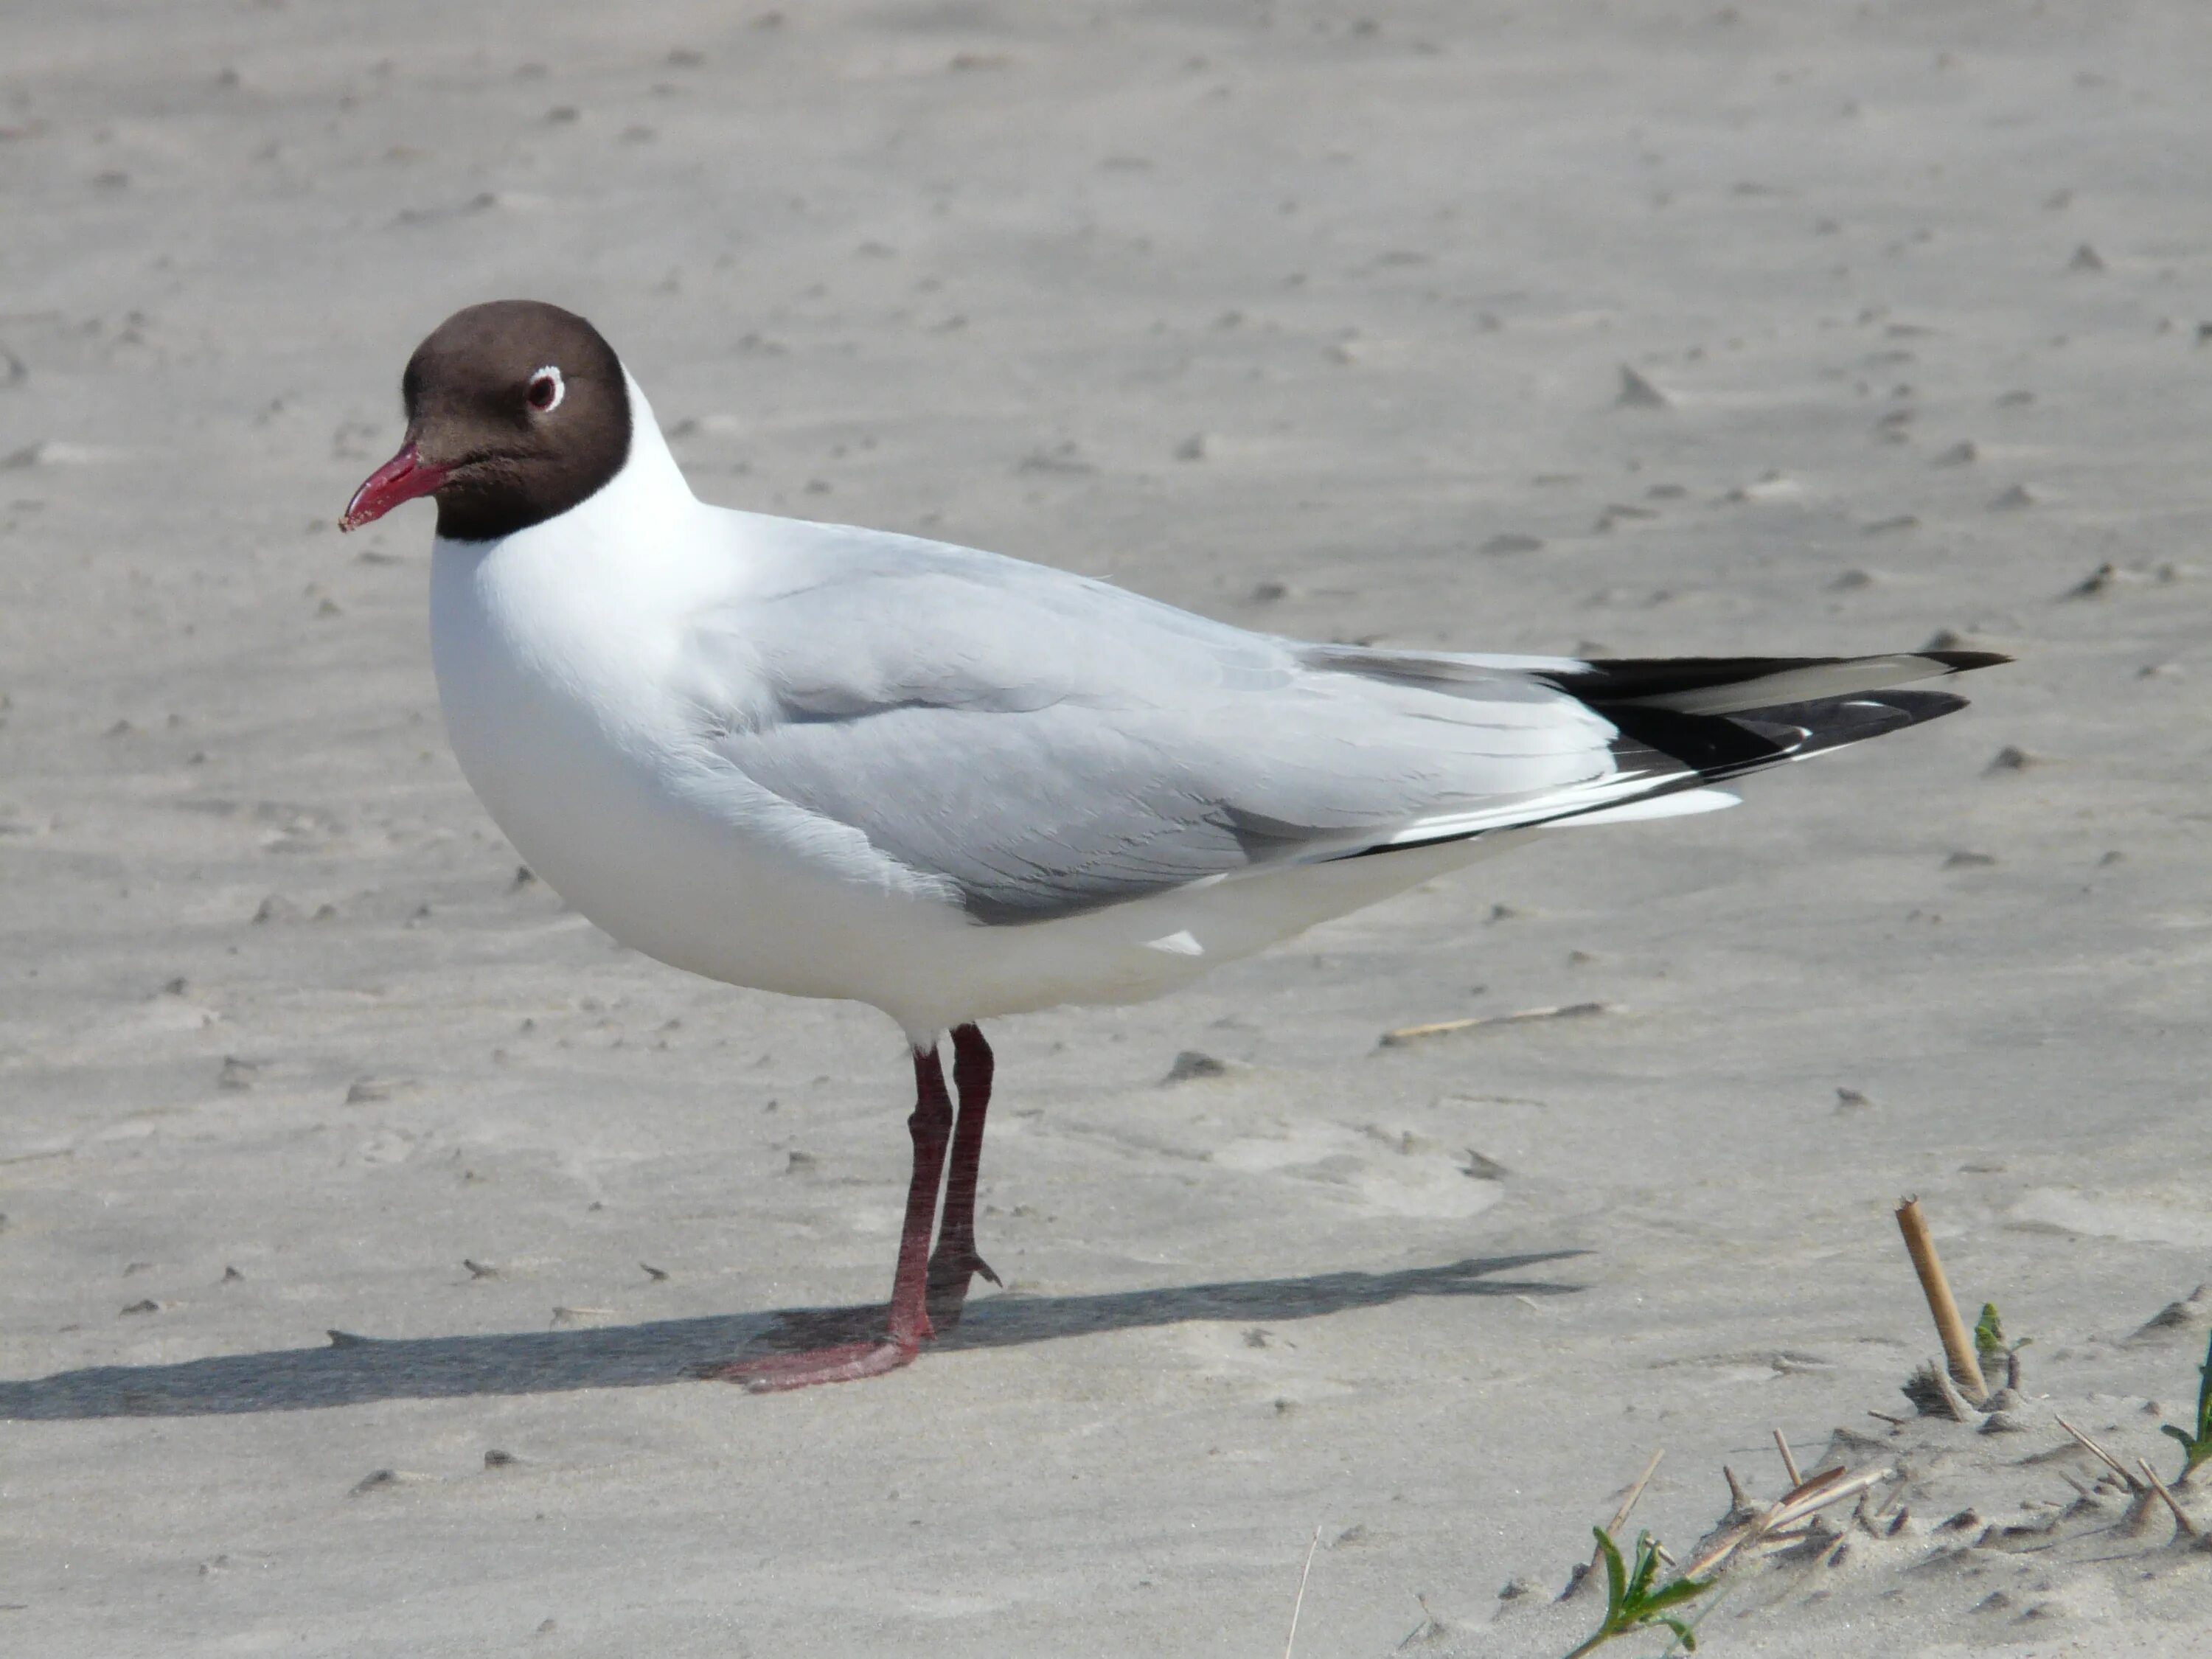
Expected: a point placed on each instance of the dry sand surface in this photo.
(1313, 323)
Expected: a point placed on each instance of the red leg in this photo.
(930, 1126)
(955, 1261)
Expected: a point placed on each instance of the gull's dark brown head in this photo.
(516, 411)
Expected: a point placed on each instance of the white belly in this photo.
(565, 729)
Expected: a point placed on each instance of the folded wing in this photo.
(1043, 745)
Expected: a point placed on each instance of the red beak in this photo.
(402, 478)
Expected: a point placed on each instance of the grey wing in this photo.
(1048, 745)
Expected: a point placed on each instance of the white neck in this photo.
(642, 547)
(648, 496)
(651, 468)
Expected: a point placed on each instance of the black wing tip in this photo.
(1604, 682)
(1918, 706)
(1811, 728)
(1850, 720)
(1718, 747)
(1964, 662)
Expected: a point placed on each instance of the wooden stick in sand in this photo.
(2180, 1516)
(1958, 1343)
(1789, 1463)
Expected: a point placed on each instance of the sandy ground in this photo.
(1314, 322)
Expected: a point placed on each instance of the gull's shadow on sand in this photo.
(354, 1369)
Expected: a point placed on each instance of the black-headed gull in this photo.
(838, 762)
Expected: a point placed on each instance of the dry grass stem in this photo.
(2180, 1516)
(1299, 1606)
(1958, 1340)
(1405, 1034)
(1789, 1463)
(2102, 1455)
(1587, 1576)
(1803, 1501)
(1635, 1491)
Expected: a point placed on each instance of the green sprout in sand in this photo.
(1631, 1602)
(1990, 1338)
(2197, 1448)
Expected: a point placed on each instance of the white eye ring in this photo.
(549, 376)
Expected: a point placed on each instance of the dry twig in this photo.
(1789, 1463)
(2103, 1456)
(1635, 1491)
(1299, 1606)
(1587, 1574)
(1405, 1034)
(1801, 1502)
(2180, 1516)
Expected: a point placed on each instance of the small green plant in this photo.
(1989, 1344)
(2197, 1448)
(1631, 1602)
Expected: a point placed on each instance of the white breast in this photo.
(559, 653)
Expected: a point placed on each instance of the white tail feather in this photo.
(1684, 803)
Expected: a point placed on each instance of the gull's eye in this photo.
(547, 389)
